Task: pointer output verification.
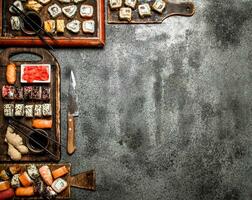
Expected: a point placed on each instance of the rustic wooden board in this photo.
(180, 8)
(84, 180)
(18, 38)
(55, 133)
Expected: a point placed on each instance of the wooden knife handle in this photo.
(70, 134)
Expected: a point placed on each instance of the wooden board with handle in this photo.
(46, 57)
(84, 180)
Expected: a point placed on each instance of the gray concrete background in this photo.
(166, 109)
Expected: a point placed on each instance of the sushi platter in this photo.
(30, 96)
(42, 181)
(147, 12)
(70, 23)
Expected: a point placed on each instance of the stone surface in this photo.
(165, 110)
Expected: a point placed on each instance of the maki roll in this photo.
(48, 193)
(27, 92)
(17, 4)
(36, 92)
(15, 183)
(86, 11)
(47, 109)
(74, 26)
(88, 26)
(59, 185)
(19, 110)
(37, 110)
(8, 110)
(8, 92)
(15, 23)
(46, 93)
(54, 10)
(69, 11)
(32, 171)
(28, 110)
(19, 93)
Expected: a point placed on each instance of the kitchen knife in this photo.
(72, 112)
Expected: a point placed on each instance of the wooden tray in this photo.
(46, 58)
(84, 180)
(181, 8)
(18, 38)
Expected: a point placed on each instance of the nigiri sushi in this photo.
(25, 179)
(59, 172)
(46, 174)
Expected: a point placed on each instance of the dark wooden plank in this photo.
(55, 132)
(18, 38)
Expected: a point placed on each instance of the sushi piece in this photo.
(8, 92)
(17, 4)
(32, 171)
(54, 10)
(27, 92)
(15, 183)
(5, 175)
(39, 186)
(14, 169)
(88, 26)
(44, 2)
(33, 5)
(46, 174)
(8, 110)
(38, 110)
(19, 93)
(28, 110)
(59, 172)
(15, 23)
(49, 193)
(7, 194)
(125, 14)
(115, 4)
(36, 92)
(130, 3)
(46, 93)
(69, 11)
(159, 6)
(60, 23)
(144, 10)
(25, 191)
(25, 179)
(4, 185)
(19, 110)
(74, 26)
(49, 26)
(47, 109)
(86, 11)
(42, 123)
(59, 185)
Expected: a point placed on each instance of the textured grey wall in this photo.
(166, 109)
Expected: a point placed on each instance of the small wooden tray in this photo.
(54, 133)
(181, 8)
(84, 180)
(68, 39)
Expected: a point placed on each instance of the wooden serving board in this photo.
(9, 37)
(173, 7)
(84, 180)
(54, 132)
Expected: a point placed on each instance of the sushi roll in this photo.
(28, 110)
(49, 26)
(8, 110)
(19, 110)
(60, 26)
(125, 14)
(46, 174)
(27, 92)
(32, 171)
(14, 169)
(46, 91)
(15, 183)
(15, 23)
(5, 175)
(38, 110)
(59, 185)
(8, 92)
(74, 26)
(39, 186)
(17, 4)
(49, 193)
(131, 3)
(54, 10)
(36, 92)
(86, 11)
(115, 4)
(69, 11)
(159, 6)
(47, 109)
(25, 179)
(88, 26)
(19, 93)
(144, 10)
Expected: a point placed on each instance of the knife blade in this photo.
(72, 112)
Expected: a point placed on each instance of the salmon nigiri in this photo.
(46, 174)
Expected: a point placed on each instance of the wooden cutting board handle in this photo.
(84, 180)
